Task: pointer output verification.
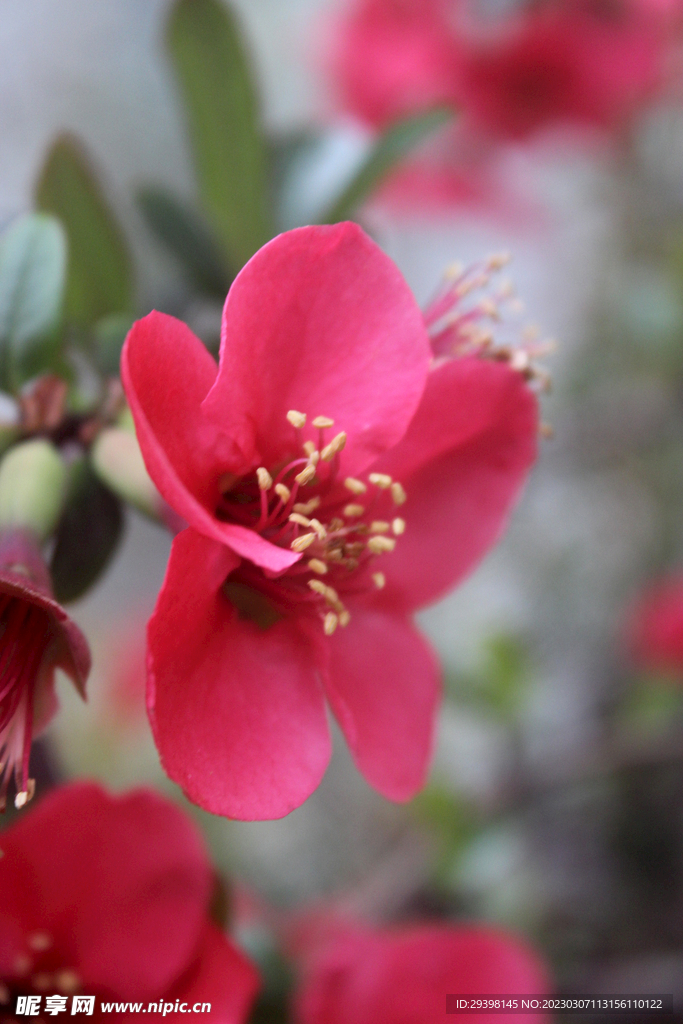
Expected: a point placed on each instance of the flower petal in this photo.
(463, 462)
(237, 711)
(222, 977)
(320, 321)
(124, 899)
(383, 685)
(167, 373)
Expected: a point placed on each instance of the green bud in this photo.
(117, 461)
(32, 487)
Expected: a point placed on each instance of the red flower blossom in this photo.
(402, 976)
(655, 627)
(506, 77)
(37, 636)
(108, 896)
(298, 464)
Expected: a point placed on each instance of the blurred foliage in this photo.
(390, 149)
(498, 684)
(100, 276)
(32, 276)
(223, 115)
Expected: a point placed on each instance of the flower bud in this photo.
(118, 462)
(32, 487)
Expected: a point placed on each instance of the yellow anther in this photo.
(21, 799)
(344, 618)
(454, 270)
(335, 446)
(398, 526)
(379, 526)
(331, 595)
(300, 544)
(380, 480)
(309, 447)
(297, 419)
(379, 579)
(354, 510)
(318, 586)
(68, 982)
(356, 486)
(39, 941)
(398, 494)
(335, 524)
(306, 507)
(319, 529)
(305, 476)
(283, 493)
(315, 565)
(265, 480)
(330, 624)
(380, 544)
(498, 260)
(323, 421)
(295, 517)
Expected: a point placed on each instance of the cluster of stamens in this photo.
(462, 321)
(360, 526)
(36, 971)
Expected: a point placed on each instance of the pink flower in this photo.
(333, 480)
(655, 627)
(507, 76)
(37, 637)
(402, 975)
(109, 896)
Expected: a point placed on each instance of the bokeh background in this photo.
(555, 804)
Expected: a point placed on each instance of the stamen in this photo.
(295, 517)
(379, 526)
(305, 476)
(323, 421)
(356, 486)
(336, 445)
(305, 508)
(283, 493)
(398, 526)
(297, 419)
(380, 544)
(39, 941)
(318, 586)
(319, 529)
(380, 579)
(380, 480)
(344, 618)
(354, 510)
(315, 565)
(330, 624)
(21, 799)
(300, 544)
(68, 982)
(309, 447)
(265, 480)
(398, 494)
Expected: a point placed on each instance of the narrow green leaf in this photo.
(100, 278)
(32, 277)
(222, 110)
(396, 143)
(184, 232)
(88, 535)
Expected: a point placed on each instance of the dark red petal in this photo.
(167, 372)
(320, 321)
(463, 462)
(120, 884)
(383, 685)
(237, 711)
(222, 977)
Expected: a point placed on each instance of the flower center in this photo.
(38, 970)
(24, 636)
(339, 527)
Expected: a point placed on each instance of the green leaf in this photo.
(100, 279)
(220, 99)
(396, 143)
(32, 277)
(184, 232)
(87, 537)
